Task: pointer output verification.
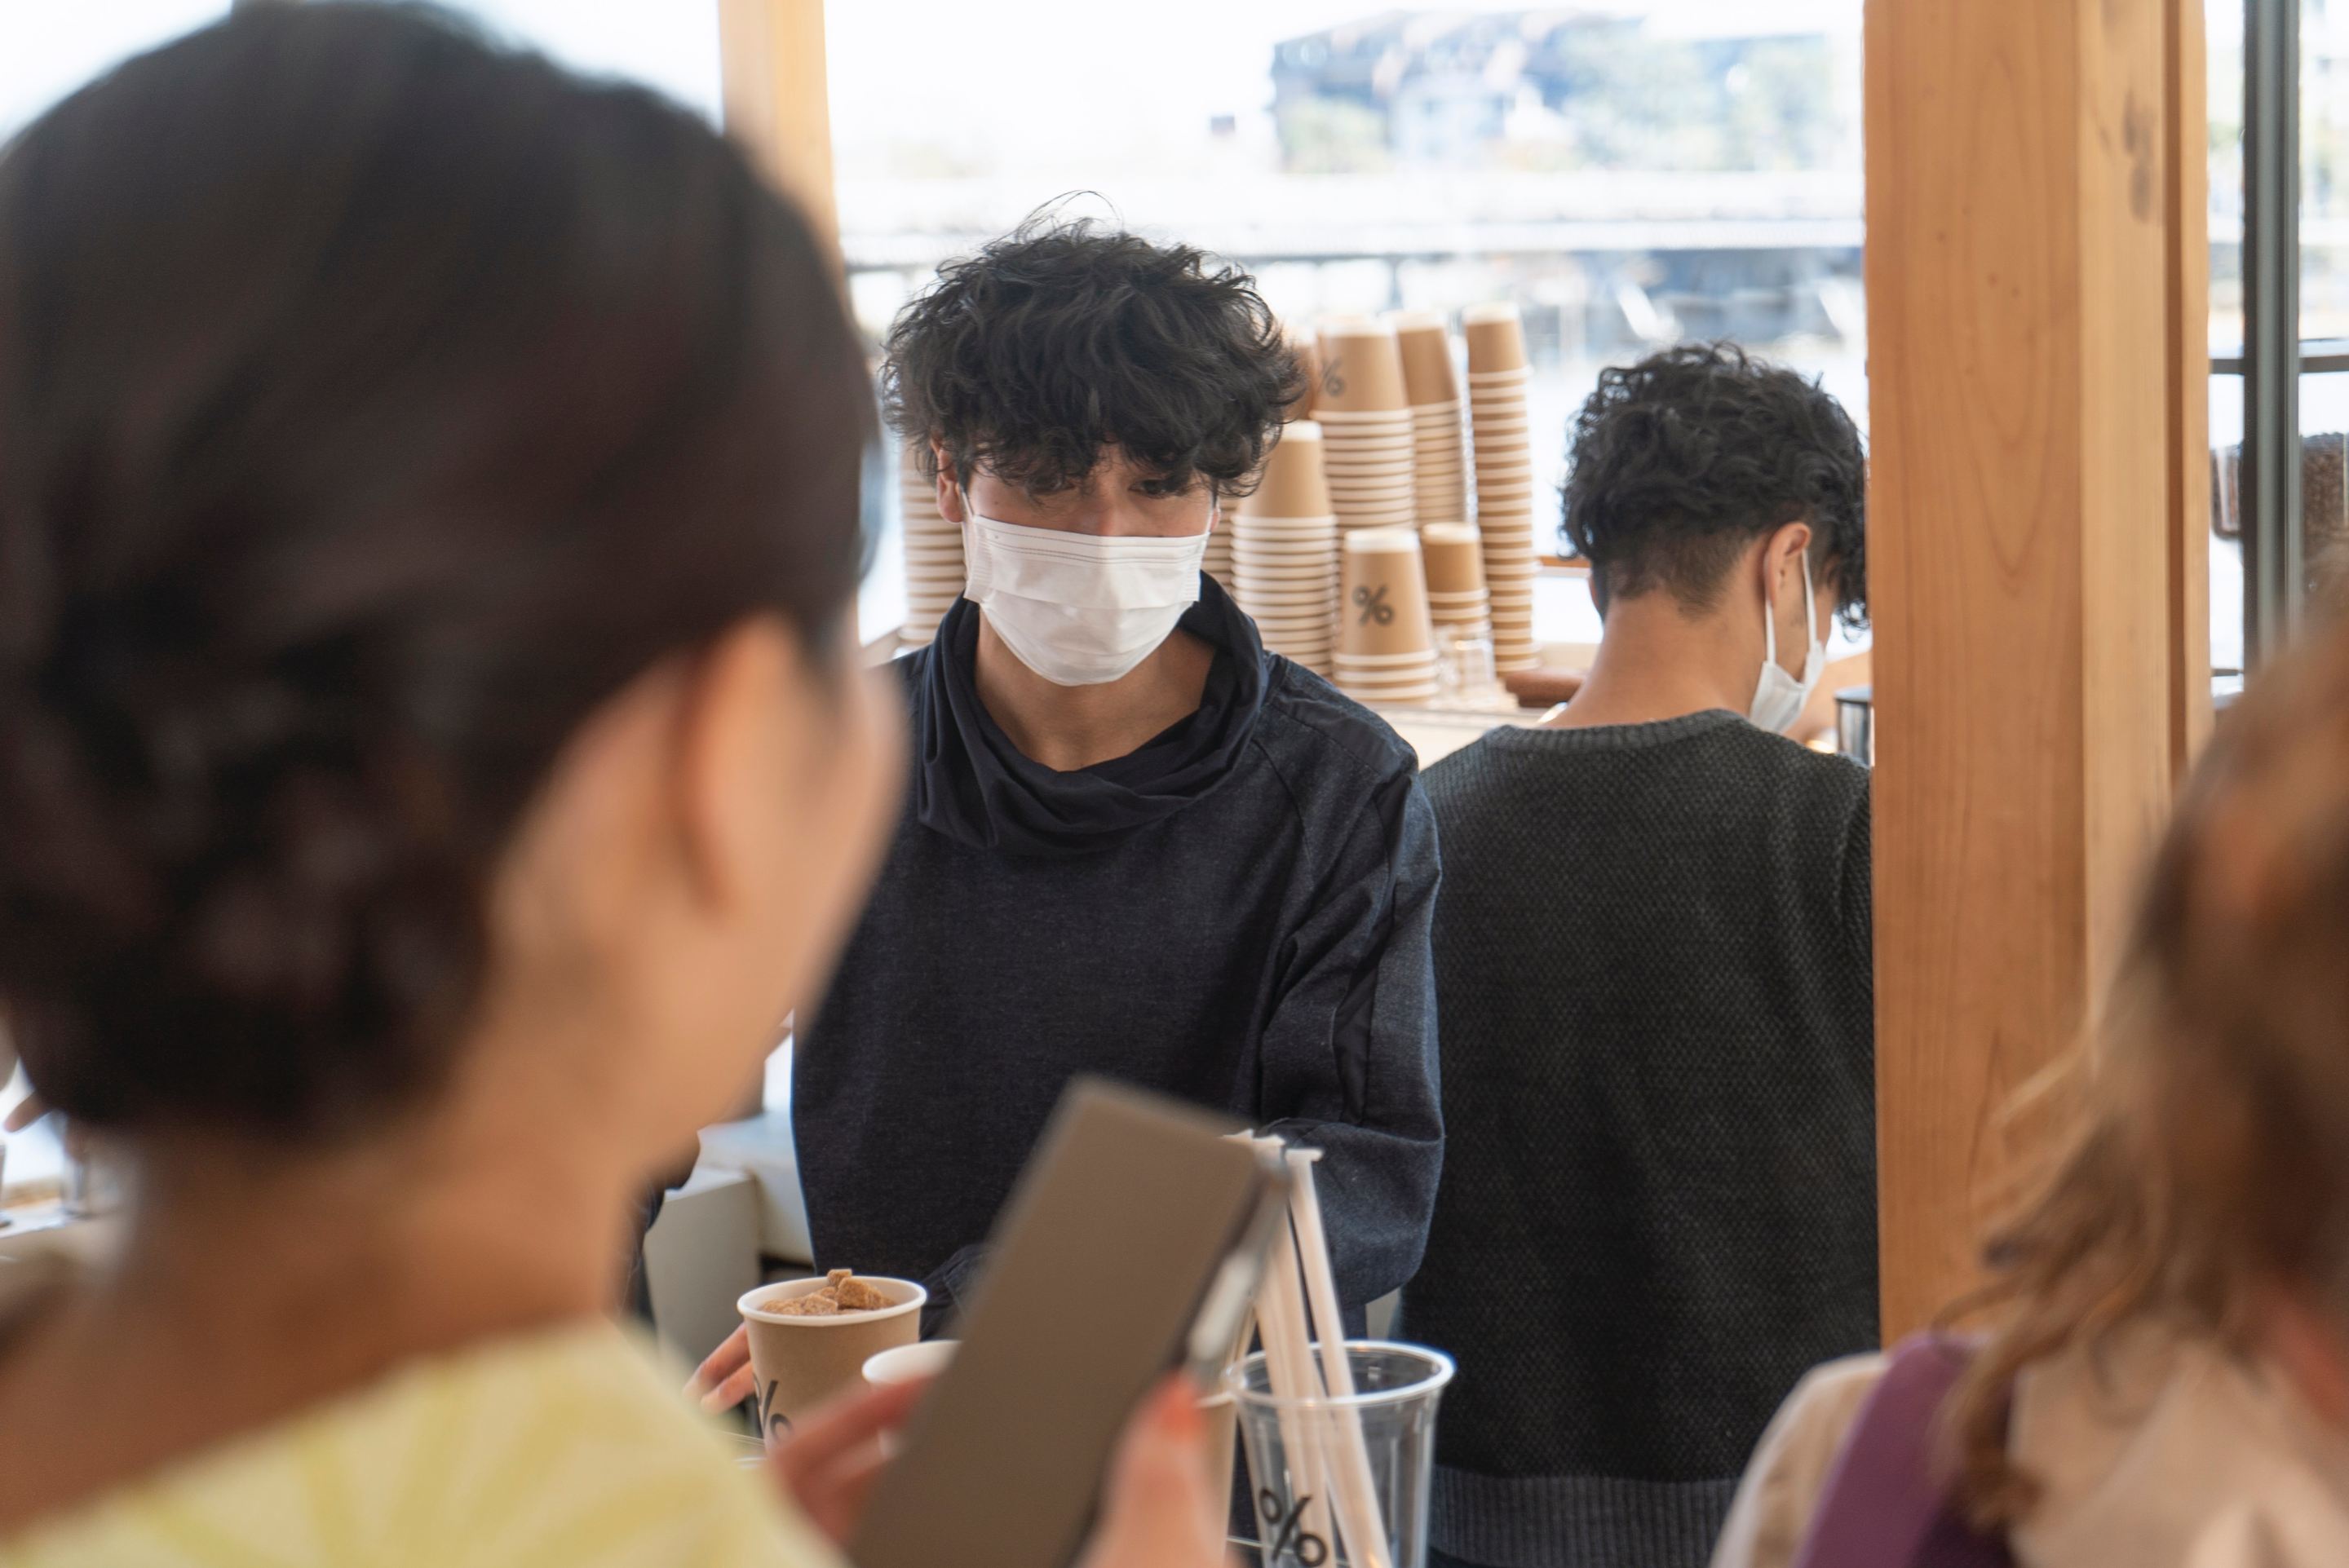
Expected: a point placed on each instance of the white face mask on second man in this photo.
(1079, 609)
(1778, 697)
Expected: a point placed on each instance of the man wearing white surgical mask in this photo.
(1080, 592)
(1138, 845)
(1681, 1153)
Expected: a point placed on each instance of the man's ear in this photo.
(1782, 559)
(950, 493)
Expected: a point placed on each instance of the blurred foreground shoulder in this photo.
(568, 1445)
(1789, 1470)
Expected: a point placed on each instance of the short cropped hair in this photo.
(1681, 462)
(1062, 339)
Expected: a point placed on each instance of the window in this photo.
(2318, 254)
(1631, 174)
(669, 46)
(50, 47)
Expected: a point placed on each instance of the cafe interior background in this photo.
(1629, 173)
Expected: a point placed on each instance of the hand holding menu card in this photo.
(1131, 1246)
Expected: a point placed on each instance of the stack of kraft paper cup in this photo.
(1439, 453)
(1364, 413)
(1498, 378)
(1308, 363)
(935, 573)
(1217, 563)
(1285, 551)
(1456, 599)
(1386, 643)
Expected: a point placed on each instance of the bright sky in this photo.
(1029, 77)
(1024, 76)
(49, 48)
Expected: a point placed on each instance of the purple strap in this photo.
(1883, 1507)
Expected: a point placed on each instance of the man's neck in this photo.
(1068, 728)
(1657, 662)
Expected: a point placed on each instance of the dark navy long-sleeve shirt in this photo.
(1239, 915)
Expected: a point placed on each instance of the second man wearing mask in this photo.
(1137, 843)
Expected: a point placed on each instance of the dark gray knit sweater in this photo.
(1659, 1206)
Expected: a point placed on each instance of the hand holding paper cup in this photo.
(803, 1358)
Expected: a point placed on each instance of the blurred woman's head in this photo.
(427, 541)
(2207, 1191)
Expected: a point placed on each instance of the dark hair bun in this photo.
(351, 455)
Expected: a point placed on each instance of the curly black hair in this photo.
(430, 396)
(1061, 339)
(1680, 461)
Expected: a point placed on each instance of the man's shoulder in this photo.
(1779, 766)
(1315, 732)
(1720, 757)
(1829, 772)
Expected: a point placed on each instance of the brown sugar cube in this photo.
(856, 1296)
(815, 1304)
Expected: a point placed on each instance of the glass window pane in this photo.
(2225, 86)
(2324, 497)
(2226, 524)
(1631, 176)
(49, 48)
(2324, 168)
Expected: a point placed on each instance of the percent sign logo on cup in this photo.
(1374, 605)
(1291, 1538)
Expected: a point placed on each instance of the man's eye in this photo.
(1159, 489)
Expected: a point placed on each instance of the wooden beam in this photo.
(778, 103)
(2027, 276)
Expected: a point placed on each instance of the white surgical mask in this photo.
(1778, 697)
(1079, 609)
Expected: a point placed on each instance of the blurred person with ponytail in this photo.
(2165, 1379)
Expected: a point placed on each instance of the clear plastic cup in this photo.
(1464, 656)
(1301, 1451)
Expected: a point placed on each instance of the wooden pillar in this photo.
(777, 101)
(2036, 308)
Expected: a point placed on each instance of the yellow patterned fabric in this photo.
(562, 1450)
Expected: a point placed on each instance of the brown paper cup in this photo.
(801, 1362)
(1361, 367)
(1496, 337)
(1426, 348)
(1455, 558)
(1291, 484)
(1383, 595)
(1309, 360)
